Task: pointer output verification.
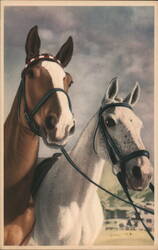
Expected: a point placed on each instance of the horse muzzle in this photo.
(138, 174)
(53, 137)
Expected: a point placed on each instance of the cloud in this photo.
(46, 34)
(108, 42)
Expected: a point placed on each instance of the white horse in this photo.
(68, 209)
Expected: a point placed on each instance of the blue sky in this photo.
(108, 42)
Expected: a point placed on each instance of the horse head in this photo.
(121, 129)
(46, 86)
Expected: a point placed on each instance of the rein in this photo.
(116, 157)
(29, 115)
(121, 180)
(96, 184)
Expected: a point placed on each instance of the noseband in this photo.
(29, 115)
(114, 152)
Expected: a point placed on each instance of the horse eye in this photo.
(110, 122)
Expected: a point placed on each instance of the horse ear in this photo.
(133, 97)
(33, 43)
(65, 53)
(112, 89)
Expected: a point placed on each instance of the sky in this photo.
(108, 42)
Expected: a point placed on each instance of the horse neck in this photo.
(88, 161)
(21, 147)
(83, 152)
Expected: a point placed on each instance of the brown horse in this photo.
(43, 105)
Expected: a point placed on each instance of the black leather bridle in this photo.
(114, 152)
(29, 115)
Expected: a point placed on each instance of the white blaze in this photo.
(57, 74)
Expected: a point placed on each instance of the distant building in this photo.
(116, 224)
(148, 218)
(124, 218)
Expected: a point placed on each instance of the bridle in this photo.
(114, 152)
(29, 115)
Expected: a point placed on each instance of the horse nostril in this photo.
(50, 122)
(72, 130)
(136, 172)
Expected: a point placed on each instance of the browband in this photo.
(45, 57)
(111, 105)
